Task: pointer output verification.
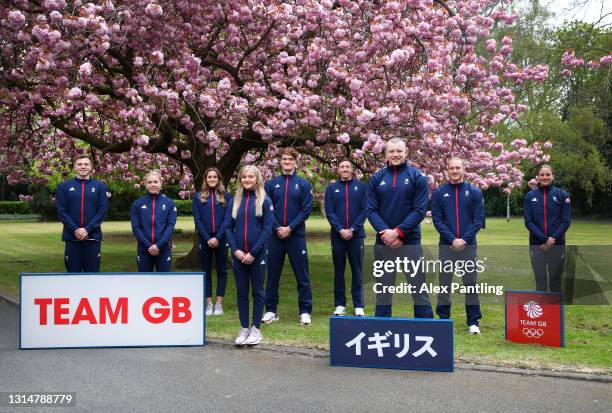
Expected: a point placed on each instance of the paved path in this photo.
(220, 378)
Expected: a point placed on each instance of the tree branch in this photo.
(81, 135)
(255, 46)
(443, 4)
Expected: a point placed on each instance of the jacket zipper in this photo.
(286, 192)
(457, 210)
(212, 207)
(246, 223)
(153, 220)
(82, 204)
(347, 206)
(545, 217)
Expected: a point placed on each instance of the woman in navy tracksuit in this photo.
(548, 216)
(153, 219)
(249, 216)
(209, 207)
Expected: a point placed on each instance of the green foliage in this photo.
(579, 166)
(184, 207)
(496, 202)
(119, 205)
(574, 112)
(43, 202)
(15, 208)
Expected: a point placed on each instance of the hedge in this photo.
(183, 206)
(15, 208)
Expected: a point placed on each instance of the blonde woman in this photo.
(209, 206)
(249, 225)
(153, 221)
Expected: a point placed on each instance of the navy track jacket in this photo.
(345, 203)
(248, 232)
(397, 198)
(81, 203)
(548, 213)
(209, 216)
(291, 196)
(153, 220)
(457, 211)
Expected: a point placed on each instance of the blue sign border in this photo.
(396, 319)
(37, 274)
(562, 321)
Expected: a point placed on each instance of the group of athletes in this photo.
(263, 223)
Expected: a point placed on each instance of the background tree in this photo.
(188, 84)
(571, 108)
(182, 85)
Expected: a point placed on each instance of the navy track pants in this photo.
(82, 256)
(206, 258)
(250, 276)
(147, 262)
(295, 248)
(353, 250)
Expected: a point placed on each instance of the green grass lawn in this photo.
(29, 246)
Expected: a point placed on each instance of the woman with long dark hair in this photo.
(209, 207)
(548, 216)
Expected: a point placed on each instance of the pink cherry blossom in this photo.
(181, 86)
(154, 9)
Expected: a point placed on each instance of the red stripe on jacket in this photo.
(246, 223)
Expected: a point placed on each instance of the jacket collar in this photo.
(548, 188)
(400, 167)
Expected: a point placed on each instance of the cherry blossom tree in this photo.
(187, 84)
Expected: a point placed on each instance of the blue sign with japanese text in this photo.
(392, 343)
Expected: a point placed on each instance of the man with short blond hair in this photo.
(457, 211)
(397, 201)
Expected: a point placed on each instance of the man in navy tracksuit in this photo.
(292, 199)
(81, 205)
(457, 210)
(548, 216)
(153, 219)
(345, 211)
(397, 201)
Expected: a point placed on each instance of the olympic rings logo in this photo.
(533, 332)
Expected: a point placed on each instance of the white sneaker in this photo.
(209, 309)
(218, 309)
(242, 336)
(269, 317)
(474, 330)
(254, 337)
(359, 312)
(339, 310)
(305, 319)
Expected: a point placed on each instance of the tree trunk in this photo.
(192, 259)
(227, 165)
